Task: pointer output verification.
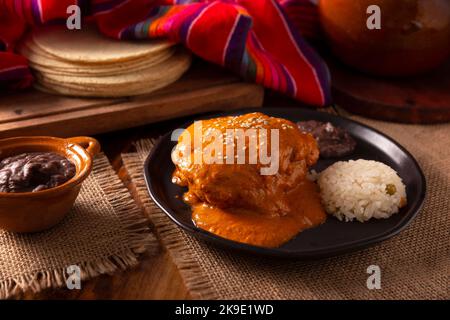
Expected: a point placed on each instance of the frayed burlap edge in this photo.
(198, 285)
(140, 240)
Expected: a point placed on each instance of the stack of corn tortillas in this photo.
(86, 63)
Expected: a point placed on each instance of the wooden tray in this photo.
(203, 88)
(420, 99)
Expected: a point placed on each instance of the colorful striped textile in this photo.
(257, 39)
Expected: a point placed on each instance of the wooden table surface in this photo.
(156, 277)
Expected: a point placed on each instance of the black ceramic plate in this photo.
(331, 238)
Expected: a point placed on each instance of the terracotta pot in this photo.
(414, 35)
(37, 211)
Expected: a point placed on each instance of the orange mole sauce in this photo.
(235, 201)
(261, 230)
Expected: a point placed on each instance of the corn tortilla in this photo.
(89, 46)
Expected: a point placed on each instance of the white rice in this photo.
(358, 190)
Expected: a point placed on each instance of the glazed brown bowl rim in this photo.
(77, 179)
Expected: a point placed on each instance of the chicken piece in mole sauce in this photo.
(236, 201)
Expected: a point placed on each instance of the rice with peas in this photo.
(361, 190)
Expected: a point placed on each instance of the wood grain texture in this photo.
(421, 99)
(204, 88)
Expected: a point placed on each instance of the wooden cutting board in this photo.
(203, 88)
(420, 99)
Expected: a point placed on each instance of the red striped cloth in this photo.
(257, 39)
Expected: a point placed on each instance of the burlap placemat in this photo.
(104, 232)
(414, 264)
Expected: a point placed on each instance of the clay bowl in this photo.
(38, 211)
(414, 37)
